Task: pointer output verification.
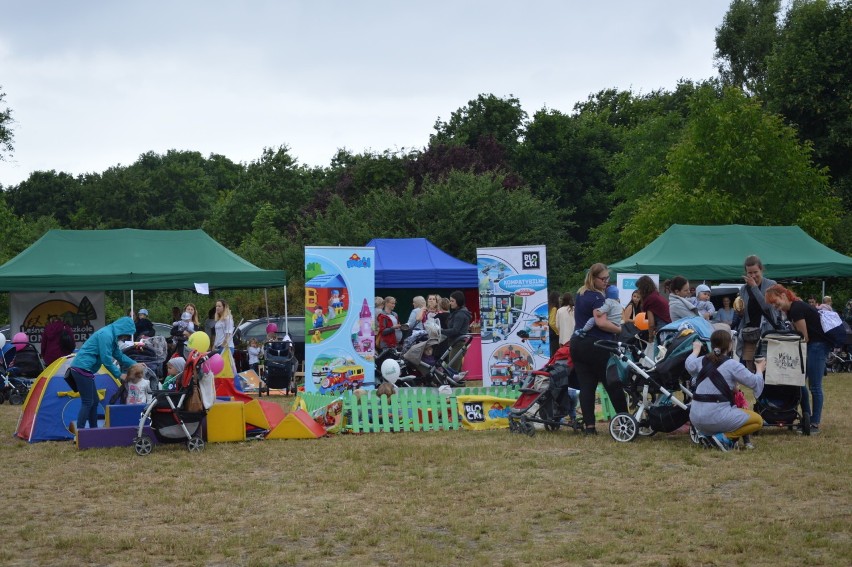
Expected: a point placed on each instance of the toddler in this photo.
(703, 303)
(138, 387)
(254, 356)
(611, 308)
(175, 369)
(185, 324)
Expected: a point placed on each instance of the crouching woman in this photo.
(716, 375)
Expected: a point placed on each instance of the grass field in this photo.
(445, 498)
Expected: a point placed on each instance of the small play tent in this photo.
(417, 263)
(73, 260)
(52, 405)
(717, 253)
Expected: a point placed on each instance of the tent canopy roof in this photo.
(717, 253)
(417, 263)
(69, 260)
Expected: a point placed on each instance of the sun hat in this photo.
(186, 316)
(143, 312)
(271, 328)
(179, 363)
(702, 288)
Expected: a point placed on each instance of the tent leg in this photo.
(266, 302)
(131, 302)
(286, 313)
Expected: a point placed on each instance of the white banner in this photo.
(82, 310)
(512, 298)
(627, 285)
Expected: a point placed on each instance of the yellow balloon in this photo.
(199, 341)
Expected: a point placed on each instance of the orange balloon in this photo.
(641, 321)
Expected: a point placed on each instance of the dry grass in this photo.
(486, 498)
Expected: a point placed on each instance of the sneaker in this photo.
(722, 442)
(748, 445)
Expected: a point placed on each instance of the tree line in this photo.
(766, 142)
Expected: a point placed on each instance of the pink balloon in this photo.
(214, 364)
(20, 340)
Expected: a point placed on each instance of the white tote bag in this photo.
(786, 360)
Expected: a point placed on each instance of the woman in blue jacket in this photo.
(100, 349)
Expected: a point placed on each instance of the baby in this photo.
(138, 387)
(611, 308)
(175, 370)
(703, 303)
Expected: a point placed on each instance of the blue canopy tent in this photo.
(417, 263)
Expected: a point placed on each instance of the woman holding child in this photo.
(590, 361)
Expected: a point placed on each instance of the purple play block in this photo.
(127, 414)
(110, 437)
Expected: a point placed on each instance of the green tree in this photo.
(809, 81)
(6, 134)
(44, 194)
(486, 116)
(736, 163)
(744, 42)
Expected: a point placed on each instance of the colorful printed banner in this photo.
(82, 310)
(512, 298)
(339, 302)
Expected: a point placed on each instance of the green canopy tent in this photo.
(71, 260)
(717, 253)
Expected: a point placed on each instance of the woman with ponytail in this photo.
(713, 412)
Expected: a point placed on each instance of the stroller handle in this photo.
(617, 347)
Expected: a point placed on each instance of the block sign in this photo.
(473, 412)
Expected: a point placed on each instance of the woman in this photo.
(458, 325)
(553, 325)
(418, 314)
(806, 321)
(712, 411)
(655, 307)
(632, 309)
(725, 314)
(100, 349)
(224, 328)
(196, 325)
(389, 329)
(680, 307)
(443, 314)
(590, 361)
(565, 318)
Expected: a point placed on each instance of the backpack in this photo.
(67, 342)
(832, 327)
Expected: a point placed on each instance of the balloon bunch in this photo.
(201, 342)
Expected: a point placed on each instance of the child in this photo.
(138, 387)
(185, 325)
(254, 356)
(703, 303)
(271, 332)
(175, 369)
(611, 308)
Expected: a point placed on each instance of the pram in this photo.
(176, 415)
(25, 363)
(650, 385)
(151, 352)
(13, 388)
(784, 377)
(546, 397)
(279, 366)
(435, 368)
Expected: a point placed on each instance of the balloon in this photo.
(641, 321)
(214, 364)
(20, 340)
(271, 328)
(199, 341)
(2, 340)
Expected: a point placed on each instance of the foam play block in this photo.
(263, 414)
(121, 436)
(127, 414)
(297, 425)
(226, 422)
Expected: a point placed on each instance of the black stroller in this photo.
(176, 415)
(781, 398)
(152, 353)
(430, 360)
(279, 367)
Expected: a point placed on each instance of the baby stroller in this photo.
(430, 361)
(650, 385)
(779, 402)
(176, 415)
(279, 366)
(13, 389)
(152, 353)
(547, 398)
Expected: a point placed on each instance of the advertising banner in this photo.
(512, 299)
(339, 303)
(31, 312)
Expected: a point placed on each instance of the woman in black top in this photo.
(806, 321)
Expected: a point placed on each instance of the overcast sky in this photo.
(93, 84)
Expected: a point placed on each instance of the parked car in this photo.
(256, 329)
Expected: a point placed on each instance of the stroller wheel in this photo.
(513, 426)
(694, 436)
(16, 399)
(623, 428)
(527, 427)
(551, 426)
(806, 424)
(646, 431)
(195, 445)
(143, 445)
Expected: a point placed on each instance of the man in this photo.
(756, 317)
